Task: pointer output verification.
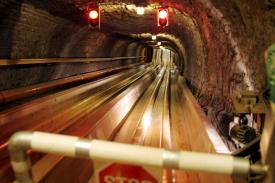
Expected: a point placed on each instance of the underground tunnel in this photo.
(198, 82)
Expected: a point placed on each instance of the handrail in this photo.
(72, 146)
(7, 62)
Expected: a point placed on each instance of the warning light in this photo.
(163, 17)
(93, 14)
(163, 14)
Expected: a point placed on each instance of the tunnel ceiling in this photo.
(221, 42)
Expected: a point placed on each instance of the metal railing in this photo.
(72, 146)
(6, 62)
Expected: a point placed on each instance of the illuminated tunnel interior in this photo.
(216, 46)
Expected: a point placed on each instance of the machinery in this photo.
(249, 114)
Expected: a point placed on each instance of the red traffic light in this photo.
(93, 16)
(163, 17)
(163, 14)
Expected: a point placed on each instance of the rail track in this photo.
(145, 105)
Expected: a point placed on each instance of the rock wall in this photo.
(222, 42)
(40, 30)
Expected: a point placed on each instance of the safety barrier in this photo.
(72, 146)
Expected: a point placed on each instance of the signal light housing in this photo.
(93, 14)
(163, 17)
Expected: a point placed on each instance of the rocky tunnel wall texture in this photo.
(33, 30)
(224, 41)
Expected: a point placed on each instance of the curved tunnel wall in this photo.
(27, 31)
(224, 40)
(224, 43)
(235, 34)
(30, 32)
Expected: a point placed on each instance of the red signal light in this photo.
(93, 14)
(163, 14)
(163, 17)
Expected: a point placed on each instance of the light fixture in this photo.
(159, 43)
(140, 10)
(163, 14)
(93, 14)
(163, 18)
(154, 37)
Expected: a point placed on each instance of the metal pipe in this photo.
(124, 153)
(20, 93)
(18, 146)
(6, 62)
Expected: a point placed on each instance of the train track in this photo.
(144, 105)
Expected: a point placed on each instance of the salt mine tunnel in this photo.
(137, 91)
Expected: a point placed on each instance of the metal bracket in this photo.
(248, 102)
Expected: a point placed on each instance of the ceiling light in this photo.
(140, 10)
(154, 37)
(159, 43)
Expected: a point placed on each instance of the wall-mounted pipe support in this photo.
(123, 153)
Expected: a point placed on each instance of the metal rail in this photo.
(6, 62)
(85, 112)
(66, 107)
(72, 146)
(134, 125)
(24, 92)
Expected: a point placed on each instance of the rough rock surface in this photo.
(29, 29)
(222, 41)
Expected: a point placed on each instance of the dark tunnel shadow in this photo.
(56, 8)
(9, 15)
(58, 39)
